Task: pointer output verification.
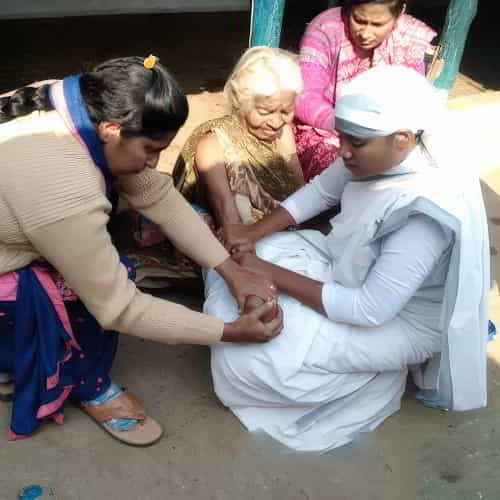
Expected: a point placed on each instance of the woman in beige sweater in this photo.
(67, 150)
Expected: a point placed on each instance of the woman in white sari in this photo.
(400, 282)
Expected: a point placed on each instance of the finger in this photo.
(275, 326)
(236, 249)
(244, 247)
(268, 292)
(241, 301)
(239, 257)
(252, 302)
(264, 309)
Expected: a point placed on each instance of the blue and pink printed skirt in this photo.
(52, 345)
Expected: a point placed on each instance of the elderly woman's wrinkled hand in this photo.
(238, 238)
(252, 326)
(254, 302)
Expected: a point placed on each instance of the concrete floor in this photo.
(206, 454)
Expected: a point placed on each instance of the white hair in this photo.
(262, 71)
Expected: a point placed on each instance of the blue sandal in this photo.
(122, 415)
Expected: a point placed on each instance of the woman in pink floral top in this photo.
(339, 44)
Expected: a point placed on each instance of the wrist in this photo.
(245, 259)
(228, 333)
(228, 268)
(278, 220)
(257, 231)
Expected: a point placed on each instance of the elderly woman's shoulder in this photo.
(209, 152)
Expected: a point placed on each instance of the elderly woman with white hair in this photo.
(401, 281)
(241, 166)
(237, 168)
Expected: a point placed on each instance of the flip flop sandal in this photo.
(146, 432)
(6, 391)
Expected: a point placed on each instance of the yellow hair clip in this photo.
(150, 62)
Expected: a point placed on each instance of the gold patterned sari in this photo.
(258, 175)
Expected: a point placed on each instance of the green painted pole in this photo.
(267, 17)
(459, 17)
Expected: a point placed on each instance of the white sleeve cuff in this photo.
(305, 203)
(338, 302)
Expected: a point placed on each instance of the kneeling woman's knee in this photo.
(233, 373)
(221, 372)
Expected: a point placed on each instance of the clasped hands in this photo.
(240, 243)
(255, 293)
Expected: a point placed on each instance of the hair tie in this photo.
(150, 62)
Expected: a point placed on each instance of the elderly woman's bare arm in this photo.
(288, 149)
(211, 167)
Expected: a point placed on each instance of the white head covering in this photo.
(385, 99)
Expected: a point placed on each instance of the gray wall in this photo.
(58, 8)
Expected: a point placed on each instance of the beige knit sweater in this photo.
(52, 204)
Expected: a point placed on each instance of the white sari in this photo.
(321, 382)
